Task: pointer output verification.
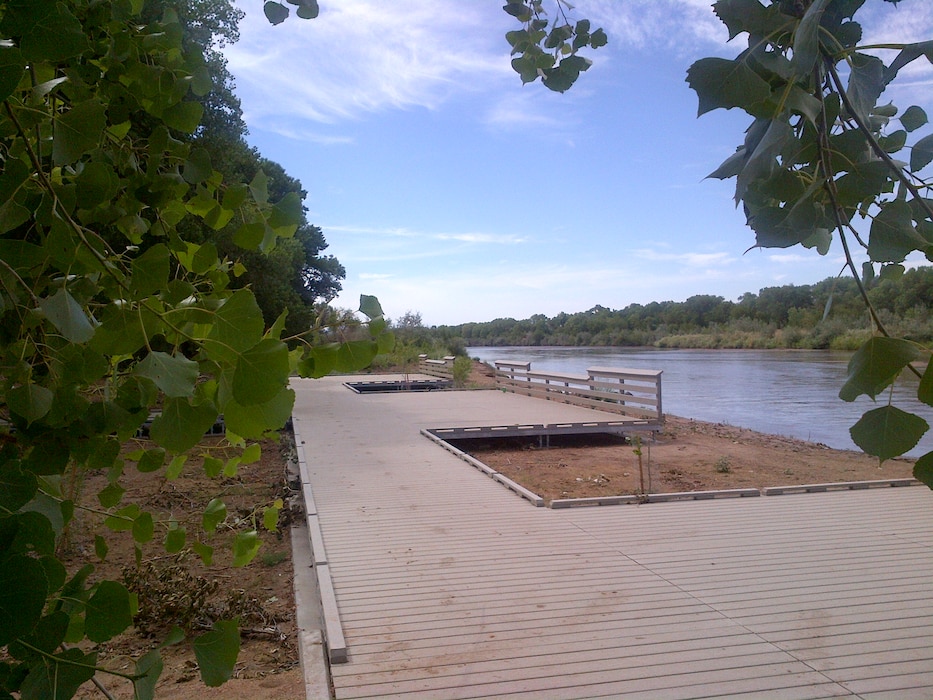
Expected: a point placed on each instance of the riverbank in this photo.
(688, 455)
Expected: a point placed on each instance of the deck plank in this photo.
(450, 586)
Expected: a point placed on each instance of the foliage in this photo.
(821, 161)
(829, 314)
(113, 303)
(461, 370)
(551, 55)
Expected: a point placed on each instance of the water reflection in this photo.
(785, 392)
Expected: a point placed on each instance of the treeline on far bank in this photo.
(828, 315)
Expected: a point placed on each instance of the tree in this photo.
(113, 303)
(818, 163)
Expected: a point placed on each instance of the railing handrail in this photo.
(635, 393)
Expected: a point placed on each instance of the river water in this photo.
(783, 392)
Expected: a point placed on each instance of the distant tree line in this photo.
(826, 315)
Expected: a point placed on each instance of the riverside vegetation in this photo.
(826, 315)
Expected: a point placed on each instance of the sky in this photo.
(447, 188)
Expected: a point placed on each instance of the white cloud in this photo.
(406, 233)
(360, 57)
(679, 25)
(691, 259)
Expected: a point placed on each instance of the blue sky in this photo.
(446, 187)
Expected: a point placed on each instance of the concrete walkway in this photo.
(448, 585)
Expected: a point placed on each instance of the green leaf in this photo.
(231, 467)
(100, 547)
(174, 375)
(562, 77)
(250, 235)
(287, 212)
(198, 166)
(55, 36)
(184, 116)
(913, 118)
(253, 422)
(151, 460)
(245, 547)
(320, 361)
(205, 551)
(807, 39)
(356, 355)
(276, 13)
(923, 469)
(120, 333)
(922, 153)
(909, 53)
(888, 432)
(270, 516)
(217, 651)
(866, 83)
(261, 372)
(721, 83)
(370, 306)
(213, 466)
(12, 68)
(175, 467)
(147, 672)
(238, 326)
(251, 454)
(17, 487)
(30, 401)
(77, 131)
(214, 514)
(143, 528)
(108, 612)
(23, 588)
(259, 187)
(123, 519)
(182, 425)
(308, 9)
(60, 677)
(175, 539)
(150, 271)
(96, 184)
(875, 365)
(892, 236)
(598, 39)
(110, 495)
(925, 389)
(67, 316)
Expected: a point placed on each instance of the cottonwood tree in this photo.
(112, 305)
(828, 160)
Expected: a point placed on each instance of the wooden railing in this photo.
(635, 393)
(437, 368)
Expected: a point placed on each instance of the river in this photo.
(783, 392)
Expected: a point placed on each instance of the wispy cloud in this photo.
(681, 25)
(361, 56)
(689, 258)
(402, 232)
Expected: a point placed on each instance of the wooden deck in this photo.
(450, 586)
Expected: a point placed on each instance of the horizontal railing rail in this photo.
(443, 369)
(634, 393)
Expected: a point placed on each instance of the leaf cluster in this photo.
(824, 158)
(117, 312)
(550, 51)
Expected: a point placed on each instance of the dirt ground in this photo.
(179, 589)
(687, 455)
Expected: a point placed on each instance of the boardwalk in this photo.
(450, 586)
